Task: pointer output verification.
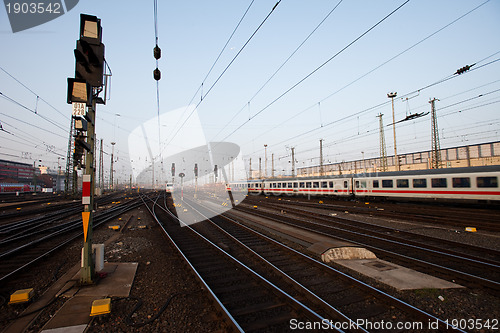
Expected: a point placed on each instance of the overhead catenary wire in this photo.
(215, 62)
(442, 115)
(385, 63)
(34, 93)
(317, 69)
(155, 10)
(449, 77)
(32, 111)
(279, 68)
(225, 69)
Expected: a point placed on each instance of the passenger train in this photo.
(464, 184)
(21, 188)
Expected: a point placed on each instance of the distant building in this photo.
(15, 172)
(461, 156)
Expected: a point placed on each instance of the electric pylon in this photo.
(383, 150)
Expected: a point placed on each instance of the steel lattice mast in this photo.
(69, 160)
(435, 149)
(383, 150)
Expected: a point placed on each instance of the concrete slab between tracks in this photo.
(396, 276)
(74, 315)
(348, 255)
(326, 247)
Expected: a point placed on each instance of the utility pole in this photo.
(436, 149)
(391, 95)
(101, 169)
(272, 165)
(383, 151)
(111, 170)
(321, 157)
(153, 172)
(364, 164)
(265, 161)
(260, 167)
(250, 172)
(293, 161)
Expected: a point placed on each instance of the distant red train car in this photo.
(13, 188)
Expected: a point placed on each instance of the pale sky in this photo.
(338, 102)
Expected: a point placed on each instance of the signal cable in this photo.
(318, 68)
(227, 67)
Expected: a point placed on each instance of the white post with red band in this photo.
(86, 186)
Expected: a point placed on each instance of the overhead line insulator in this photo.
(157, 74)
(463, 69)
(157, 52)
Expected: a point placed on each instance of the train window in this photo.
(402, 183)
(331, 184)
(487, 182)
(316, 184)
(357, 183)
(308, 184)
(439, 182)
(279, 185)
(345, 183)
(363, 184)
(302, 184)
(295, 185)
(284, 185)
(461, 182)
(375, 183)
(419, 182)
(324, 184)
(290, 185)
(386, 182)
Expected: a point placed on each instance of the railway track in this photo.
(484, 219)
(467, 265)
(329, 294)
(21, 251)
(11, 215)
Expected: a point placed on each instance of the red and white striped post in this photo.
(86, 188)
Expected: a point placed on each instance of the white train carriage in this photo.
(252, 186)
(474, 183)
(325, 185)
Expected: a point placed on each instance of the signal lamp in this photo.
(80, 124)
(90, 29)
(79, 91)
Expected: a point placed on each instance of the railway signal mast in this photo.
(83, 94)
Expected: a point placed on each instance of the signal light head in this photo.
(79, 91)
(90, 29)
